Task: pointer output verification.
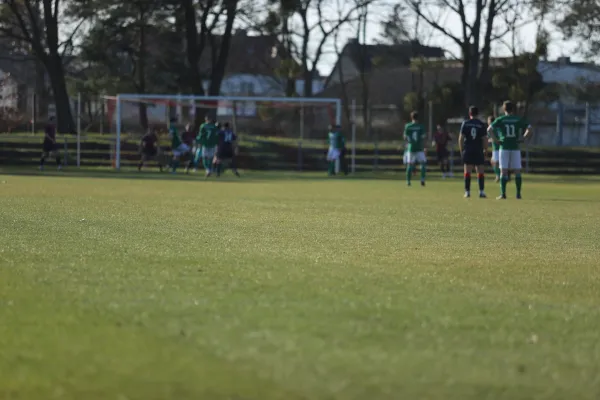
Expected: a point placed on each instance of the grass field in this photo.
(296, 287)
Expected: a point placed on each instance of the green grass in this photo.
(296, 287)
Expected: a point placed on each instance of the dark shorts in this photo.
(442, 154)
(473, 157)
(225, 152)
(48, 146)
(149, 153)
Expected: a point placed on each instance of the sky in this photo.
(525, 40)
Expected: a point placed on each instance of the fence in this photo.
(280, 154)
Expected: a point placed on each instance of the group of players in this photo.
(214, 145)
(505, 133)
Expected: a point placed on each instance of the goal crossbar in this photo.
(182, 97)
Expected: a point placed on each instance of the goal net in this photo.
(275, 133)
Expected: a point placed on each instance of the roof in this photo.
(384, 55)
(566, 72)
(391, 55)
(390, 85)
(254, 55)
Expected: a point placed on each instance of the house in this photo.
(570, 79)
(255, 68)
(356, 57)
(387, 89)
(9, 92)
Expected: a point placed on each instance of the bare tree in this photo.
(311, 26)
(208, 15)
(478, 30)
(37, 23)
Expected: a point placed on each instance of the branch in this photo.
(36, 34)
(344, 18)
(68, 43)
(510, 29)
(414, 4)
(460, 10)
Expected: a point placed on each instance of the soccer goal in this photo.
(279, 132)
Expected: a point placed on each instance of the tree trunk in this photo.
(64, 115)
(464, 79)
(308, 83)
(193, 52)
(306, 72)
(220, 64)
(289, 62)
(473, 92)
(484, 76)
(41, 94)
(141, 70)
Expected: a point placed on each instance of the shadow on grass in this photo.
(264, 176)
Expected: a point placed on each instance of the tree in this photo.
(518, 79)
(208, 14)
(278, 22)
(396, 26)
(580, 19)
(125, 44)
(36, 24)
(478, 30)
(312, 24)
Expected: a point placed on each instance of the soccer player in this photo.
(207, 140)
(441, 139)
(414, 134)
(506, 131)
(473, 142)
(149, 147)
(177, 146)
(188, 138)
(49, 145)
(226, 150)
(495, 154)
(336, 144)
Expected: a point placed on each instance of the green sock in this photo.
(409, 171)
(518, 182)
(423, 171)
(503, 180)
(207, 163)
(175, 164)
(331, 167)
(497, 171)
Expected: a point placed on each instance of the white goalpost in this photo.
(227, 104)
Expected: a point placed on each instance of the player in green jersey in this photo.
(506, 131)
(414, 134)
(336, 142)
(206, 142)
(177, 146)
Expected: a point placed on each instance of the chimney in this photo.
(564, 61)
(241, 32)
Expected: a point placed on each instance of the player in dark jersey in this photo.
(441, 138)
(188, 137)
(49, 145)
(226, 149)
(473, 142)
(149, 149)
